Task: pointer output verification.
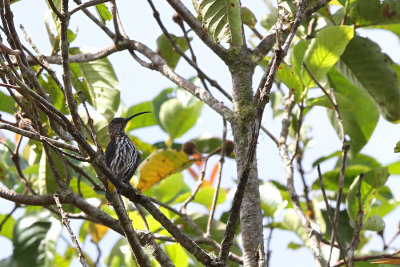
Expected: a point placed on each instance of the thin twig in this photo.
(268, 247)
(345, 149)
(179, 50)
(216, 192)
(355, 240)
(86, 4)
(65, 221)
(370, 257)
(91, 131)
(270, 135)
(199, 183)
(98, 252)
(5, 219)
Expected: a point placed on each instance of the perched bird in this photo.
(122, 157)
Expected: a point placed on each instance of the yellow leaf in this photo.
(161, 164)
(394, 261)
(97, 231)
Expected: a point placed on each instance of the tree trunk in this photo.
(250, 212)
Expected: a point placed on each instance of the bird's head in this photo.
(117, 125)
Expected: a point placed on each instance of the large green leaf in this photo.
(7, 228)
(35, 239)
(374, 12)
(98, 83)
(103, 11)
(367, 67)
(373, 180)
(222, 19)
(7, 103)
(176, 111)
(358, 112)
(290, 78)
(167, 51)
(140, 121)
(177, 119)
(324, 51)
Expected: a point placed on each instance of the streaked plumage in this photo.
(122, 157)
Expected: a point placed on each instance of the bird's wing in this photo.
(110, 152)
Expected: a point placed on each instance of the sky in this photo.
(139, 84)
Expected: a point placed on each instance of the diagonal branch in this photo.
(196, 26)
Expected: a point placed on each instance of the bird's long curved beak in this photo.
(137, 114)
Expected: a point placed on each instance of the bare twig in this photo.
(268, 248)
(86, 4)
(6, 50)
(199, 183)
(345, 149)
(270, 135)
(221, 164)
(370, 257)
(355, 240)
(98, 252)
(65, 221)
(178, 49)
(8, 216)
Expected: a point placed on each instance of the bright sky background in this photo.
(139, 84)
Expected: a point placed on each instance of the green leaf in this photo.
(167, 51)
(177, 255)
(287, 75)
(394, 168)
(55, 93)
(204, 196)
(7, 228)
(100, 124)
(104, 12)
(176, 119)
(268, 20)
(248, 17)
(47, 179)
(140, 121)
(324, 158)
(331, 178)
(98, 83)
(7, 103)
(35, 239)
(384, 202)
(168, 189)
(368, 68)
(360, 115)
(299, 52)
(271, 199)
(176, 111)
(374, 12)
(373, 180)
(222, 20)
(294, 246)
(324, 51)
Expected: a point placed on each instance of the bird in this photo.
(122, 157)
